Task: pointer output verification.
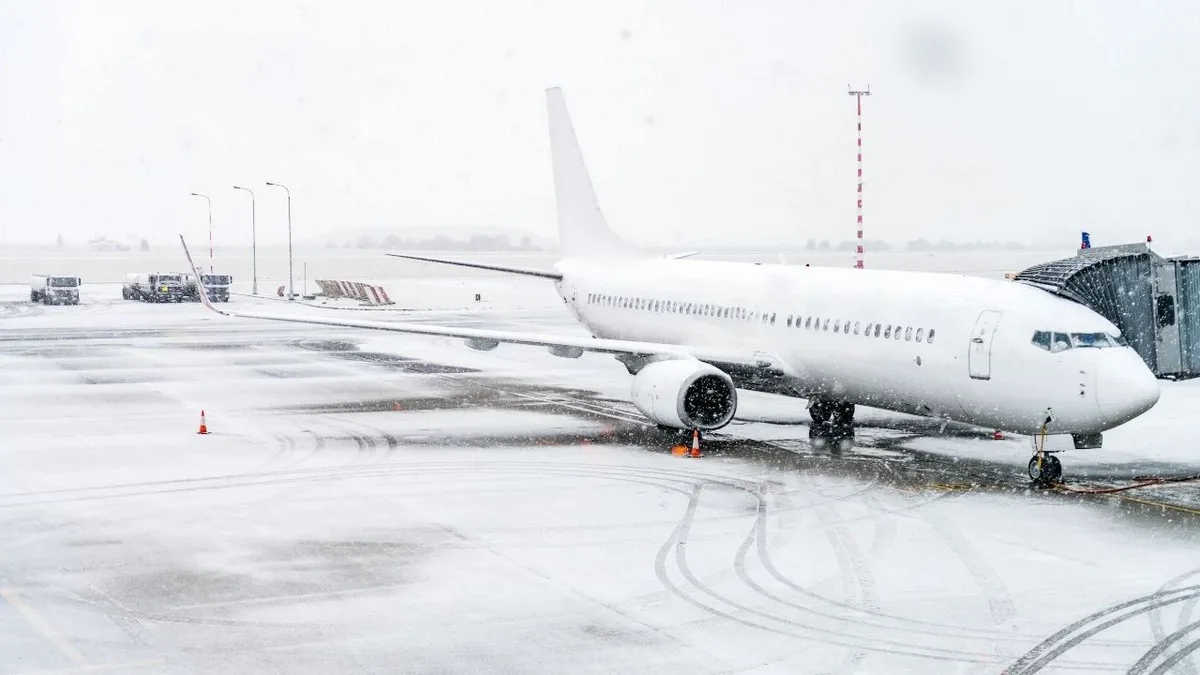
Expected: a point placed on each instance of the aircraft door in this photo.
(979, 358)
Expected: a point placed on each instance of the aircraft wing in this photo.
(483, 266)
(562, 345)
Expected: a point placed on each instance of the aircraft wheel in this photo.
(1048, 472)
(820, 412)
(819, 441)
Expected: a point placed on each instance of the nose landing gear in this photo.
(1044, 468)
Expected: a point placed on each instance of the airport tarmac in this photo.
(379, 503)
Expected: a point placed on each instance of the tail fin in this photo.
(581, 227)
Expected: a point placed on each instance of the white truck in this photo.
(215, 285)
(154, 287)
(54, 289)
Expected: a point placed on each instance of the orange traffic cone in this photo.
(203, 425)
(679, 450)
(997, 435)
(695, 443)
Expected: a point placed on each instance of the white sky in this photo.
(702, 122)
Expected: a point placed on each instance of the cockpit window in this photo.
(1059, 342)
(1090, 340)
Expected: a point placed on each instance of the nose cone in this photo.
(1125, 388)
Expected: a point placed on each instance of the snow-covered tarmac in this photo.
(379, 503)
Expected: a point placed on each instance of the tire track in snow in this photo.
(1046, 652)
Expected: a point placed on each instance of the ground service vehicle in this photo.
(154, 287)
(216, 285)
(51, 289)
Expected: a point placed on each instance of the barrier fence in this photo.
(355, 290)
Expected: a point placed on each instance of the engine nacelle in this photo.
(685, 394)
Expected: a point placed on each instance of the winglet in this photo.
(199, 280)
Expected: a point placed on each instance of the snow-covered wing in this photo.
(483, 336)
(482, 266)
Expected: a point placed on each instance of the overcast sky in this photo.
(701, 122)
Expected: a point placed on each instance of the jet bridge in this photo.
(1155, 301)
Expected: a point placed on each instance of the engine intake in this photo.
(685, 394)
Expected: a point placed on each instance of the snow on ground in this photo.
(381, 503)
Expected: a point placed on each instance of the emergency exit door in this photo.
(979, 358)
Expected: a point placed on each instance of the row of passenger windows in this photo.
(870, 329)
(1060, 342)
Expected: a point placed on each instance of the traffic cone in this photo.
(695, 443)
(679, 450)
(203, 425)
(997, 435)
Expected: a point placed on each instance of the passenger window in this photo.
(789, 321)
(930, 338)
(808, 322)
(856, 328)
(825, 325)
(887, 333)
(772, 318)
(1060, 343)
(1041, 339)
(908, 334)
(920, 334)
(877, 329)
(896, 333)
(836, 325)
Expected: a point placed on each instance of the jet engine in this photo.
(685, 394)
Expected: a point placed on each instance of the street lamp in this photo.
(210, 245)
(253, 239)
(291, 295)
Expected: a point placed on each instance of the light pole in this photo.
(291, 294)
(253, 239)
(210, 248)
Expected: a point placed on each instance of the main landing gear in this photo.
(832, 425)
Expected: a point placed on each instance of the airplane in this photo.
(995, 354)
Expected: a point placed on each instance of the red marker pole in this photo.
(860, 249)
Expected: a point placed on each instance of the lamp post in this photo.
(253, 239)
(210, 241)
(291, 293)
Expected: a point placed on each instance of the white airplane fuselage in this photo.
(940, 345)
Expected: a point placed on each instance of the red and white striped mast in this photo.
(858, 94)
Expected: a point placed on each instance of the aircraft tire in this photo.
(1048, 473)
(820, 412)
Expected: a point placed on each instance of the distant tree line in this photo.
(915, 245)
(478, 242)
(943, 245)
(824, 245)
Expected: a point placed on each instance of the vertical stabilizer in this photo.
(581, 227)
